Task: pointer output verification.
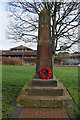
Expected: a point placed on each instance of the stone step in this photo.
(44, 91)
(41, 82)
(45, 101)
(26, 100)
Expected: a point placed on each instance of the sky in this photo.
(6, 44)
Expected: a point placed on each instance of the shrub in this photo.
(13, 61)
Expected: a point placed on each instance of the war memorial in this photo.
(44, 90)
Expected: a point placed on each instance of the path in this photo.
(50, 113)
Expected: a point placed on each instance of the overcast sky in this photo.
(5, 43)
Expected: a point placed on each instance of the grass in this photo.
(69, 77)
(14, 78)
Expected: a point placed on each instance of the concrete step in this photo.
(44, 91)
(25, 100)
(41, 82)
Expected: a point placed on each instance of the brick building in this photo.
(20, 51)
(29, 55)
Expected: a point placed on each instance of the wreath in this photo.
(45, 73)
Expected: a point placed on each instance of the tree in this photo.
(64, 22)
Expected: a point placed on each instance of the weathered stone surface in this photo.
(26, 100)
(44, 91)
(48, 90)
(41, 82)
(44, 48)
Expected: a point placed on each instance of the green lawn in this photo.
(69, 77)
(14, 78)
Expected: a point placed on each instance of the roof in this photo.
(21, 47)
(21, 53)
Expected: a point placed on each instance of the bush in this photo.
(13, 61)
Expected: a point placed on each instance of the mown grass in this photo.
(14, 78)
(69, 77)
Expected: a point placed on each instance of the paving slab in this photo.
(40, 113)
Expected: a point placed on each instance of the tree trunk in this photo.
(53, 28)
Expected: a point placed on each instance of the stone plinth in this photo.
(44, 91)
(44, 48)
(41, 82)
(32, 96)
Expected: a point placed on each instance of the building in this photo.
(23, 53)
(20, 51)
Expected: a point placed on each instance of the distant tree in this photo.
(64, 16)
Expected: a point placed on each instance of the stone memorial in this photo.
(44, 48)
(44, 90)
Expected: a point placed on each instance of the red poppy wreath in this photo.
(45, 73)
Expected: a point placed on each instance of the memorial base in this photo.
(52, 94)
